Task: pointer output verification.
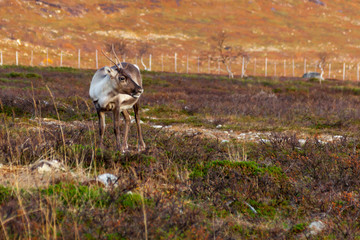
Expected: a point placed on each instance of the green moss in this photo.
(5, 194)
(76, 195)
(298, 228)
(132, 201)
(249, 168)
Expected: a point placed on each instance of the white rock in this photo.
(44, 166)
(316, 227)
(157, 126)
(219, 126)
(108, 179)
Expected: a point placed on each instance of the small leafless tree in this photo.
(221, 51)
(143, 49)
(323, 56)
(246, 58)
(121, 46)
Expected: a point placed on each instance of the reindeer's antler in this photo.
(117, 63)
(113, 50)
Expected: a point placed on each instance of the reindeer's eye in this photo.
(122, 78)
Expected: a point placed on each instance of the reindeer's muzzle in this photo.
(137, 92)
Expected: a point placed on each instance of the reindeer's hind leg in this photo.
(102, 125)
(141, 143)
(126, 116)
(116, 113)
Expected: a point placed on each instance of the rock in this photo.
(107, 179)
(316, 227)
(157, 126)
(44, 166)
(318, 2)
(302, 141)
(312, 75)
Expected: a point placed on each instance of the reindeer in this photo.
(117, 89)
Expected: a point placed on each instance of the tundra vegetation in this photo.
(185, 185)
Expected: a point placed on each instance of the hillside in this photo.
(253, 158)
(274, 28)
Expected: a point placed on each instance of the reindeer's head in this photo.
(123, 82)
(121, 78)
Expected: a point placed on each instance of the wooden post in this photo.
(357, 71)
(315, 67)
(96, 59)
(265, 67)
(209, 64)
(198, 64)
(329, 70)
(305, 65)
(187, 63)
(255, 67)
(47, 57)
(219, 67)
(61, 59)
(344, 65)
(32, 58)
(175, 62)
(242, 67)
(275, 69)
(284, 67)
(293, 68)
(162, 62)
(1, 58)
(150, 62)
(79, 59)
(17, 58)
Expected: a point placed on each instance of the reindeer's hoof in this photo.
(141, 148)
(124, 149)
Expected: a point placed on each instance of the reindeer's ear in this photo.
(110, 71)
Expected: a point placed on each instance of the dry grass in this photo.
(185, 185)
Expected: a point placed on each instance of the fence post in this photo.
(198, 64)
(284, 67)
(275, 69)
(255, 67)
(265, 67)
(242, 67)
(79, 59)
(304, 65)
(162, 62)
(344, 71)
(315, 67)
(47, 57)
(187, 63)
(150, 62)
(32, 58)
(209, 64)
(96, 59)
(17, 58)
(293, 68)
(175, 62)
(1, 58)
(357, 71)
(61, 60)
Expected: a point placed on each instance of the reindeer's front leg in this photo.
(102, 125)
(126, 132)
(116, 113)
(141, 143)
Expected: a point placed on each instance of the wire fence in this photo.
(287, 67)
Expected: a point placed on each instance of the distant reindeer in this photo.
(117, 89)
